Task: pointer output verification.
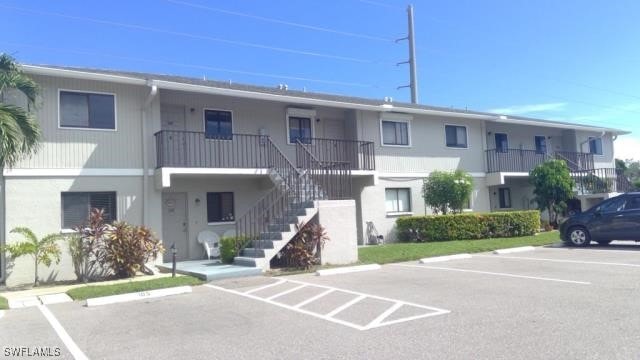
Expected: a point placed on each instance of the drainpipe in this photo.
(145, 157)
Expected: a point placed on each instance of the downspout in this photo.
(145, 151)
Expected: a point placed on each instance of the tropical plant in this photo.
(86, 247)
(19, 131)
(553, 186)
(44, 251)
(127, 248)
(303, 251)
(446, 191)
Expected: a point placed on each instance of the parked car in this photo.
(617, 218)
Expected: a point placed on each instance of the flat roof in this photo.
(229, 88)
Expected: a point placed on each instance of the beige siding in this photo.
(523, 137)
(607, 159)
(72, 148)
(36, 204)
(428, 151)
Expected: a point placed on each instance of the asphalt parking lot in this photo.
(551, 303)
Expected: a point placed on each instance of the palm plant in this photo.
(19, 130)
(45, 250)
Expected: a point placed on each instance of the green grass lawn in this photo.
(91, 291)
(4, 304)
(414, 251)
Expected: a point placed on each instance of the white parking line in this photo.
(62, 334)
(493, 273)
(286, 292)
(376, 322)
(562, 260)
(346, 305)
(280, 281)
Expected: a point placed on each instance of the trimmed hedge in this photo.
(468, 226)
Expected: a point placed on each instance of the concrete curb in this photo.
(445, 258)
(348, 269)
(143, 295)
(514, 250)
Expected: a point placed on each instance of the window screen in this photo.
(87, 110)
(395, 133)
(220, 207)
(218, 124)
(76, 207)
(397, 200)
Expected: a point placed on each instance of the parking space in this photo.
(548, 303)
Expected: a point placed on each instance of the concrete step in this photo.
(247, 261)
(275, 235)
(279, 227)
(253, 252)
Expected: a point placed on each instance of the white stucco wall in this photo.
(339, 220)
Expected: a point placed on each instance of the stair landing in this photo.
(209, 270)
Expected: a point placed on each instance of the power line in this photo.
(281, 22)
(196, 36)
(194, 66)
(380, 4)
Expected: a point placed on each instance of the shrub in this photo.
(87, 245)
(444, 191)
(127, 248)
(468, 226)
(228, 249)
(552, 186)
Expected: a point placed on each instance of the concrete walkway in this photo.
(209, 270)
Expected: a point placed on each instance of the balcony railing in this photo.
(600, 181)
(195, 149)
(514, 160)
(520, 160)
(357, 155)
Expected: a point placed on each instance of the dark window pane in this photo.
(505, 198)
(541, 144)
(502, 143)
(299, 129)
(633, 204)
(220, 207)
(395, 133)
(456, 136)
(77, 205)
(218, 124)
(74, 109)
(102, 111)
(75, 209)
(388, 133)
(451, 135)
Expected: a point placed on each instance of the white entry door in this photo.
(175, 224)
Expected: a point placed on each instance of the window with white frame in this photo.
(504, 195)
(220, 207)
(76, 207)
(595, 145)
(218, 124)
(395, 132)
(300, 125)
(456, 136)
(398, 200)
(87, 110)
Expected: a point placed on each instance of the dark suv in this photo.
(617, 218)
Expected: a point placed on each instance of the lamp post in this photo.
(173, 259)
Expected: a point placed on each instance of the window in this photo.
(615, 205)
(502, 143)
(398, 200)
(220, 207)
(76, 207)
(541, 144)
(217, 124)
(87, 110)
(395, 133)
(595, 145)
(299, 129)
(505, 198)
(633, 203)
(456, 136)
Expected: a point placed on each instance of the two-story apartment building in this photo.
(184, 155)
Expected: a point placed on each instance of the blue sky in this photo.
(570, 60)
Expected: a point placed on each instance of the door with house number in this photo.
(174, 149)
(175, 225)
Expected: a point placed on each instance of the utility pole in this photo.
(413, 76)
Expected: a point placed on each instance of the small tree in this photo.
(44, 251)
(444, 191)
(553, 186)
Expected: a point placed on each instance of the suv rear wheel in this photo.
(579, 236)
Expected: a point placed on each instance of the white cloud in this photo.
(627, 147)
(526, 109)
